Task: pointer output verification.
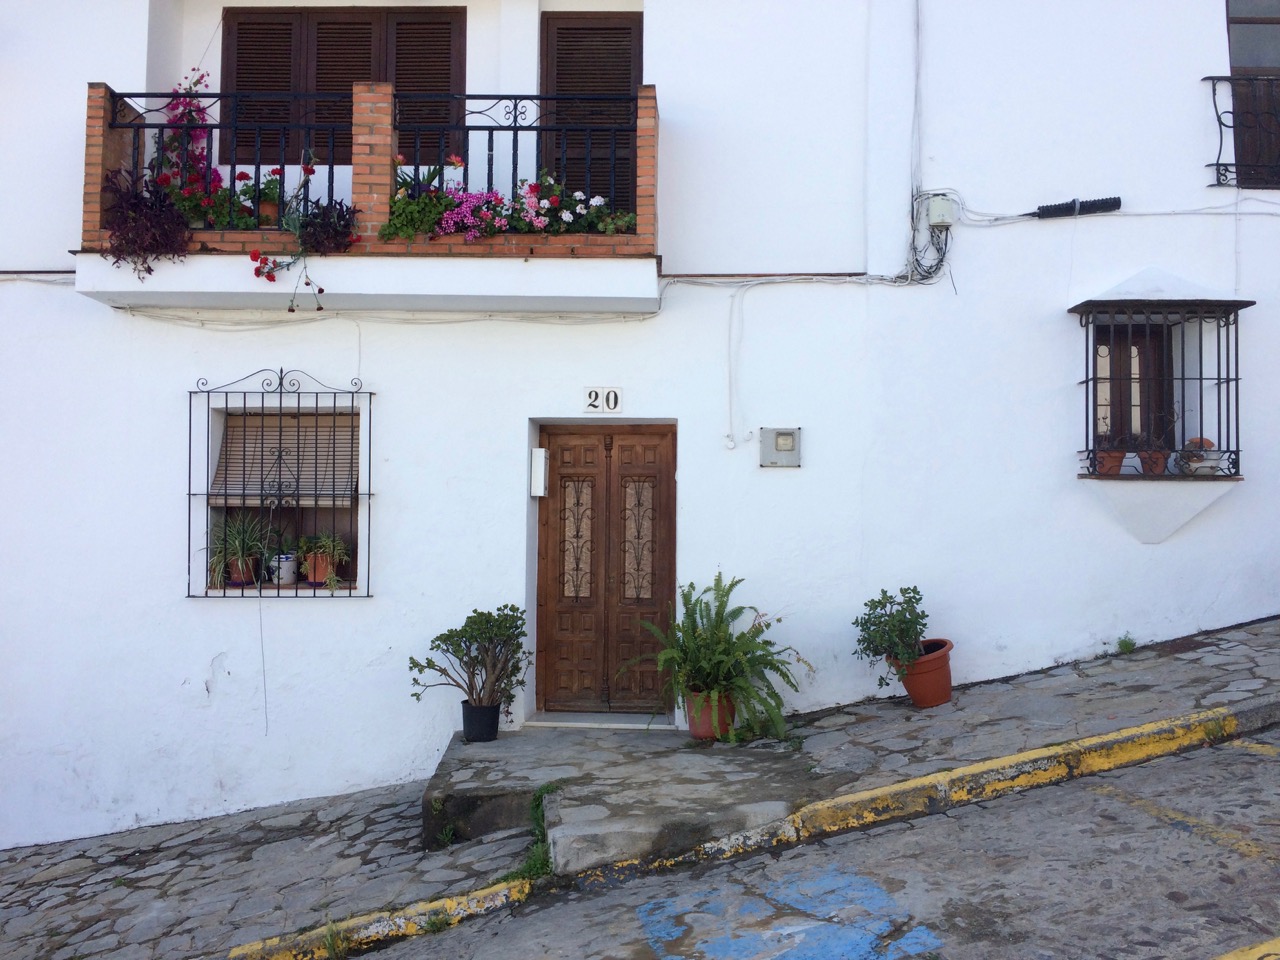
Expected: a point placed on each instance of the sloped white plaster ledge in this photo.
(1154, 510)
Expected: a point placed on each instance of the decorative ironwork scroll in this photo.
(638, 516)
(577, 517)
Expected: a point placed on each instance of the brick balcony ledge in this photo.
(569, 273)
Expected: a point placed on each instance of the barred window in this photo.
(1162, 388)
(279, 488)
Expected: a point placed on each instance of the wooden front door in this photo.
(606, 562)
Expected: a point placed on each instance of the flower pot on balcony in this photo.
(268, 213)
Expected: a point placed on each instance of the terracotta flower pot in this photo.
(928, 680)
(1154, 462)
(1109, 462)
(698, 711)
(319, 566)
(240, 573)
(268, 213)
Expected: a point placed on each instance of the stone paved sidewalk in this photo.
(197, 889)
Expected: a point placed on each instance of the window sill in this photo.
(1164, 478)
(278, 591)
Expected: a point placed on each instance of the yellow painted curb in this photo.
(373, 928)
(1263, 951)
(995, 778)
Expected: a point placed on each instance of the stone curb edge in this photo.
(935, 793)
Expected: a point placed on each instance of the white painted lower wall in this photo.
(940, 424)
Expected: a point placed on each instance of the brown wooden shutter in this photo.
(343, 47)
(426, 53)
(262, 52)
(592, 54)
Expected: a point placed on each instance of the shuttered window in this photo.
(325, 51)
(591, 55)
(287, 460)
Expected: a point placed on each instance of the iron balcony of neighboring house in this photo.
(556, 164)
(1247, 109)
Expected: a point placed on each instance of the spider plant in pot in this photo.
(236, 543)
(486, 660)
(716, 658)
(892, 629)
(321, 555)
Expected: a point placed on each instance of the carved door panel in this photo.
(606, 563)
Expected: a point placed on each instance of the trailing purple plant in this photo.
(143, 224)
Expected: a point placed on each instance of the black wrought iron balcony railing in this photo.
(1248, 114)
(229, 158)
(587, 142)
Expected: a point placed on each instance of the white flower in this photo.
(566, 216)
(597, 201)
(544, 204)
(580, 209)
(579, 195)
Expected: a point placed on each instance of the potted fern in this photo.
(892, 629)
(486, 660)
(722, 670)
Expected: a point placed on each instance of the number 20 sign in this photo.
(602, 400)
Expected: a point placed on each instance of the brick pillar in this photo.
(105, 151)
(372, 149)
(647, 167)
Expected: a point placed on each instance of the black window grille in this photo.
(1162, 388)
(279, 488)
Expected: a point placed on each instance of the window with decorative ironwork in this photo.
(279, 488)
(1247, 103)
(1162, 388)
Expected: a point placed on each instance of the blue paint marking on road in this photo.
(827, 914)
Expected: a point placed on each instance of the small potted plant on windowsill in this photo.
(1199, 457)
(721, 671)
(892, 629)
(321, 555)
(1153, 453)
(486, 660)
(236, 545)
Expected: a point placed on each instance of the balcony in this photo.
(1247, 109)
(375, 151)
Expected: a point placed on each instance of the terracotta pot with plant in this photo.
(485, 659)
(718, 661)
(321, 555)
(892, 629)
(237, 544)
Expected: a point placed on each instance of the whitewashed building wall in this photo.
(941, 423)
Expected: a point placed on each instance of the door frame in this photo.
(543, 611)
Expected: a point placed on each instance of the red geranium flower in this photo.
(535, 188)
(193, 178)
(276, 171)
(553, 200)
(163, 180)
(254, 255)
(243, 175)
(308, 169)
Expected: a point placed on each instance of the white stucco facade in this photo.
(941, 423)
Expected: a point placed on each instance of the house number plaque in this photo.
(602, 400)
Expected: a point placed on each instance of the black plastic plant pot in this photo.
(479, 724)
